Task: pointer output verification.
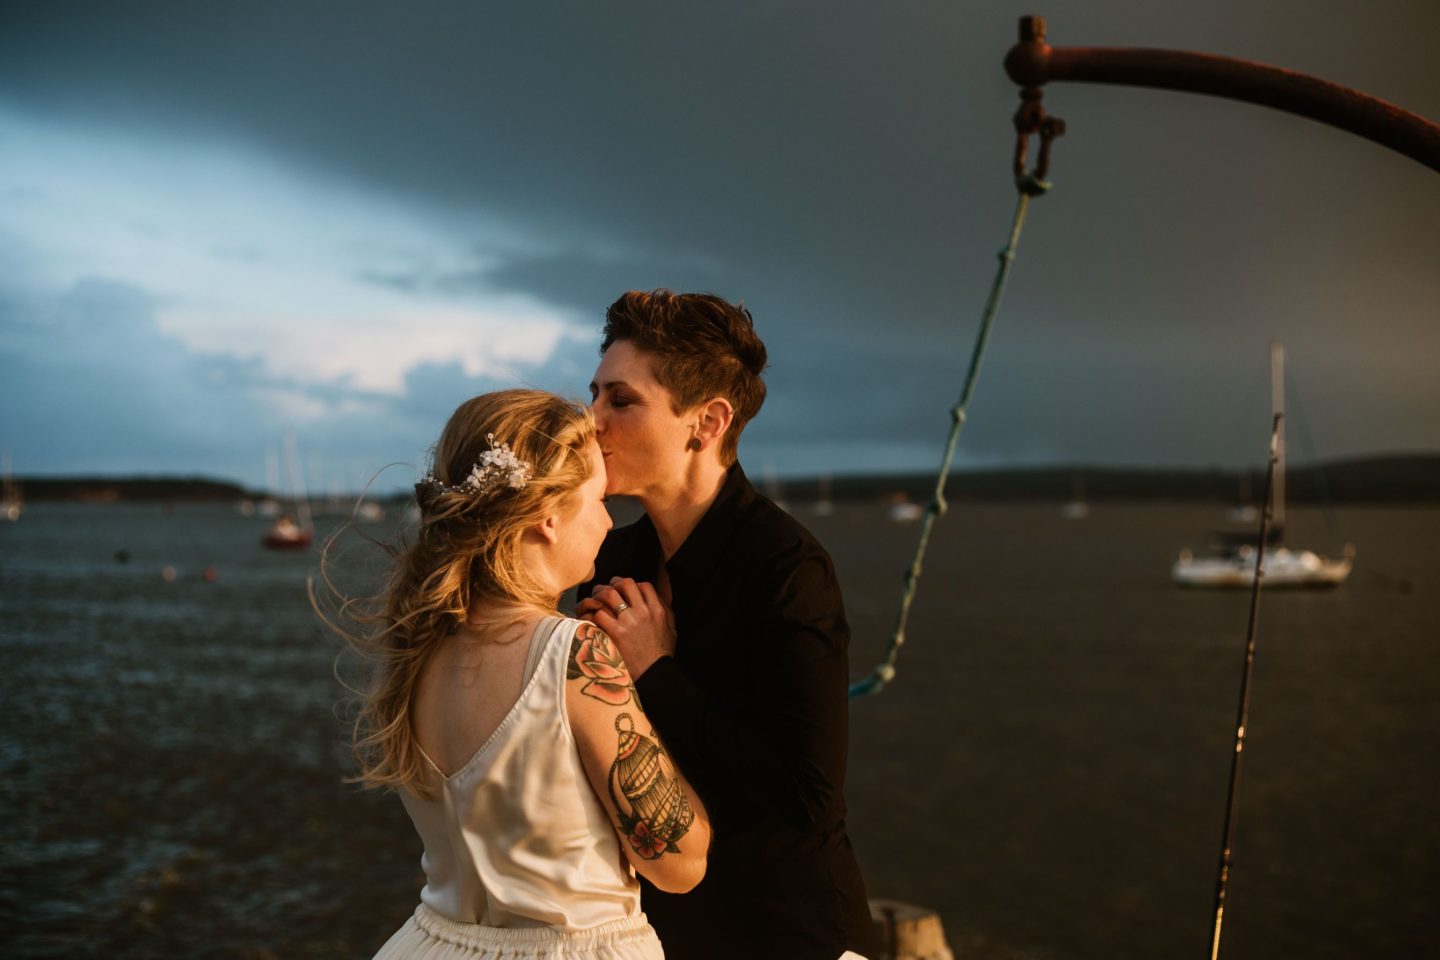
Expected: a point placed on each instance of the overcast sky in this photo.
(222, 221)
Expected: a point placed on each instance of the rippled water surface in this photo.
(1048, 770)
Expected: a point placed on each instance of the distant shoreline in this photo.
(1386, 479)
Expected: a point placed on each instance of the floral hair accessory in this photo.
(498, 467)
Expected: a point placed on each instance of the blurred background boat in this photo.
(1076, 508)
(1233, 564)
(297, 532)
(11, 501)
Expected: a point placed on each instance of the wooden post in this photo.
(908, 932)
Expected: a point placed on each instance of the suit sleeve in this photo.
(781, 736)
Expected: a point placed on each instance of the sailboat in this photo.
(1234, 565)
(772, 487)
(1244, 510)
(824, 506)
(901, 509)
(268, 506)
(11, 501)
(292, 533)
(1076, 508)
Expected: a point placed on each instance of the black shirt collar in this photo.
(698, 555)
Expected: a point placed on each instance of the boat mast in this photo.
(272, 473)
(1277, 409)
(297, 483)
(10, 498)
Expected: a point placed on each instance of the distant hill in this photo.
(1389, 479)
(116, 489)
(1372, 479)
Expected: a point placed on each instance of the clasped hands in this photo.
(635, 617)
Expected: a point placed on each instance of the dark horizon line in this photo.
(1412, 476)
(857, 473)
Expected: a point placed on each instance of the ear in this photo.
(713, 418)
(548, 529)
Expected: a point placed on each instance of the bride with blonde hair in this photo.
(512, 732)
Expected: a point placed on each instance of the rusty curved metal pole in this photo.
(1032, 63)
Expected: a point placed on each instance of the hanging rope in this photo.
(1029, 119)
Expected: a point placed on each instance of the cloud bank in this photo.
(220, 222)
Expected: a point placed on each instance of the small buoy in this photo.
(122, 555)
(167, 573)
(211, 574)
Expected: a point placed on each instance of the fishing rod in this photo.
(1232, 802)
(1032, 63)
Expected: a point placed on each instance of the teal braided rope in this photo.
(884, 671)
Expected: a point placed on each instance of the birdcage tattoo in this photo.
(647, 794)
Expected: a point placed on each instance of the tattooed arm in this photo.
(662, 824)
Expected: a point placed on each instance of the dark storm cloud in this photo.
(843, 169)
(74, 383)
(582, 282)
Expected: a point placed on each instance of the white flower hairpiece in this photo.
(497, 467)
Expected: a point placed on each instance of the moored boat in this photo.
(286, 534)
(11, 502)
(1234, 563)
(1283, 568)
(292, 533)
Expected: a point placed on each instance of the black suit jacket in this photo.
(753, 707)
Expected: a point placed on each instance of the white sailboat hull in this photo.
(903, 511)
(1283, 568)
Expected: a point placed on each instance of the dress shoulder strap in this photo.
(540, 642)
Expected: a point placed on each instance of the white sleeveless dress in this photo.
(521, 860)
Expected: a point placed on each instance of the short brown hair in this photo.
(704, 347)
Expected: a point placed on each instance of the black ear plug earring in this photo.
(694, 444)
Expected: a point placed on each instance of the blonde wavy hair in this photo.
(465, 556)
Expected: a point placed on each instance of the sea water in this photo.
(1048, 770)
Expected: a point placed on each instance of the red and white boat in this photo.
(286, 534)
